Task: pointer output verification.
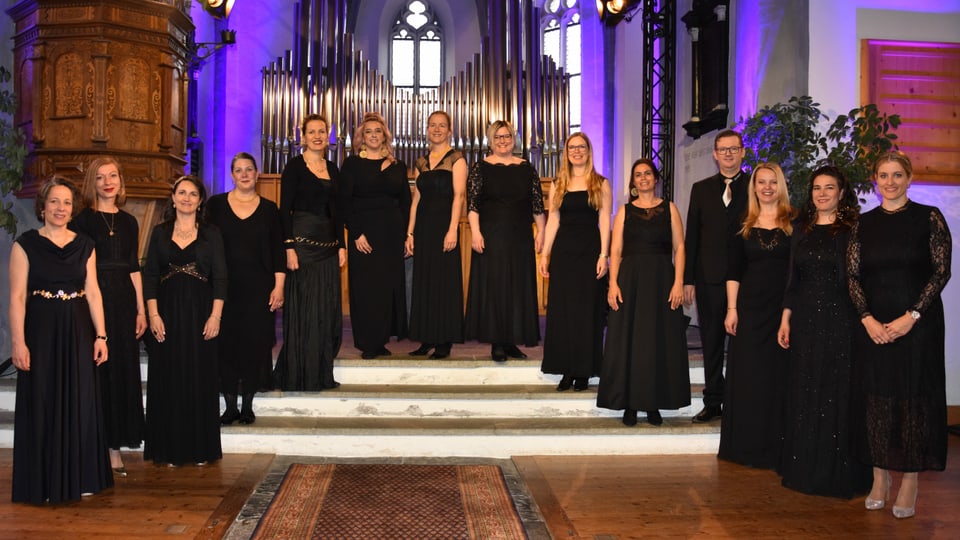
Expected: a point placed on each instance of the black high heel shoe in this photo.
(442, 351)
(423, 350)
(565, 383)
(580, 384)
(497, 353)
(654, 418)
(512, 351)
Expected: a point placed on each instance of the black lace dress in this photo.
(751, 431)
(899, 262)
(436, 307)
(576, 306)
(645, 364)
(817, 454)
(117, 239)
(502, 300)
(58, 448)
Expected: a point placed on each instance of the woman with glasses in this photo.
(574, 258)
(376, 202)
(433, 240)
(503, 197)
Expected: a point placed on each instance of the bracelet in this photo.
(410, 234)
(212, 316)
(102, 337)
(603, 256)
(155, 315)
(729, 308)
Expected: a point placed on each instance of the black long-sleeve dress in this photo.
(817, 453)
(312, 224)
(897, 262)
(502, 299)
(436, 307)
(253, 248)
(58, 448)
(117, 238)
(377, 205)
(183, 390)
(751, 432)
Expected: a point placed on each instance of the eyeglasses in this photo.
(578, 148)
(502, 137)
(729, 150)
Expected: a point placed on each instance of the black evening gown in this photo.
(59, 451)
(898, 262)
(751, 431)
(312, 311)
(183, 390)
(817, 453)
(576, 305)
(502, 298)
(377, 204)
(120, 380)
(254, 251)
(645, 364)
(436, 306)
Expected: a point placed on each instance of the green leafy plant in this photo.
(13, 151)
(789, 134)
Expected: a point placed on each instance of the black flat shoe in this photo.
(513, 352)
(580, 384)
(367, 355)
(707, 414)
(496, 352)
(654, 418)
(229, 416)
(565, 383)
(247, 417)
(629, 417)
(442, 351)
(423, 350)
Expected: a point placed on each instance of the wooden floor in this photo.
(599, 498)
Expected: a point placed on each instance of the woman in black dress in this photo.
(645, 365)
(574, 258)
(58, 337)
(117, 238)
(816, 327)
(436, 310)
(898, 262)
(313, 236)
(252, 242)
(503, 192)
(185, 285)
(376, 201)
(751, 431)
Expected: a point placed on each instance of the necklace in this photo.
(110, 225)
(184, 235)
(774, 240)
(896, 210)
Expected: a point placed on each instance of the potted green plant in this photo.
(13, 152)
(790, 135)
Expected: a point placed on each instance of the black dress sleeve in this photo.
(536, 192)
(335, 202)
(854, 285)
(276, 258)
(345, 194)
(790, 294)
(133, 230)
(405, 198)
(941, 249)
(736, 258)
(152, 268)
(218, 261)
(474, 188)
(289, 180)
(691, 242)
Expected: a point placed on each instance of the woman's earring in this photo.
(383, 152)
(363, 151)
(634, 192)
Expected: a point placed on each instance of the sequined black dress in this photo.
(899, 262)
(817, 454)
(753, 403)
(58, 448)
(436, 307)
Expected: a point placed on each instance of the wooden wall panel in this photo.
(921, 83)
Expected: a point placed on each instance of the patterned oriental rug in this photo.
(369, 501)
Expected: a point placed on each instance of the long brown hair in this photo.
(594, 180)
(89, 190)
(785, 212)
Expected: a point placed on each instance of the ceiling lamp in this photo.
(220, 9)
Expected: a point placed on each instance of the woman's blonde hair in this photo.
(89, 191)
(495, 126)
(358, 134)
(785, 212)
(594, 180)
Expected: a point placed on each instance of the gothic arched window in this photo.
(416, 49)
(560, 30)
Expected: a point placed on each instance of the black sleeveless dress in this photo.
(58, 448)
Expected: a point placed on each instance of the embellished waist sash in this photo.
(189, 269)
(58, 295)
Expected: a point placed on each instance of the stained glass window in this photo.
(416, 49)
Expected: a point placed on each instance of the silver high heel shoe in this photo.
(903, 512)
(878, 504)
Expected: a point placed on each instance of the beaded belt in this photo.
(188, 269)
(314, 243)
(59, 295)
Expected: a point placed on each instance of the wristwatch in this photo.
(914, 314)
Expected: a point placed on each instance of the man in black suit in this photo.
(712, 217)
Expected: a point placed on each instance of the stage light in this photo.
(614, 11)
(220, 9)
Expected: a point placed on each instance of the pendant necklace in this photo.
(109, 225)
